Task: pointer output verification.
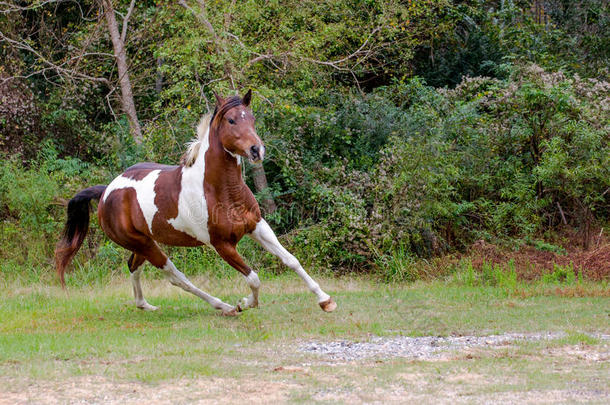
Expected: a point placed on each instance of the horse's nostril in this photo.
(254, 149)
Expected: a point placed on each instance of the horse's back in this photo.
(147, 167)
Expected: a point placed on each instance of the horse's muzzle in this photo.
(257, 153)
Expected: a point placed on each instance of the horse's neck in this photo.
(220, 172)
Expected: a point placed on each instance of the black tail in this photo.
(76, 228)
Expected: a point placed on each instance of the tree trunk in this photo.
(127, 101)
(587, 219)
(159, 79)
(260, 184)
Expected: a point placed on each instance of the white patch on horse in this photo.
(251, 301)
(192, 217)
(145, 193)
(253, 280)
(243, 114)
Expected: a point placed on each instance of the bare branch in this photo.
(357, 52)
(201, 16)
(563, 217)
(118, 45)
(116, 119)
(360, 54)
(10, 7)
(258, 57)
(357, 82)
(50, 65)
(264, 98)
(126, 20)
(218, 42)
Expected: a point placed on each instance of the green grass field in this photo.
(92, 344)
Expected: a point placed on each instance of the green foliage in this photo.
(398, 266)
(31, 212)
(503, 277)
(562, 275)
(371, 161)
(546, 246)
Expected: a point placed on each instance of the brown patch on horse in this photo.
(136, 175)
(121, 218)
(167, 194)
(135, 261)
(150, 166)
(232, 209)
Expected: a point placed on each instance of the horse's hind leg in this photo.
(266, 237)
(158, 259)
(134, 262)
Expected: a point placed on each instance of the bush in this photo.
(490, 159)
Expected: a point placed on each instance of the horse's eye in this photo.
(231, 121)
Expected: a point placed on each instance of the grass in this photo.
(48, 335)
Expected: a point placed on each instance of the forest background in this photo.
(401, 136)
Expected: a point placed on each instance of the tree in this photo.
(118, 44)
(54, 57)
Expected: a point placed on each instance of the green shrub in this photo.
(397, 266)
(562, 275)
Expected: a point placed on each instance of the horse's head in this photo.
(235, 127)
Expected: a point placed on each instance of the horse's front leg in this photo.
(228, 252)
(266, 237)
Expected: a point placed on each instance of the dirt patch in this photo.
(458, 393)
(351, 376)
(540, 397)
(580, 352)
(95, 389)
(418, 348)
(415, 388)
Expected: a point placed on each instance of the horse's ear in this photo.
(219, 99)
(247, 98)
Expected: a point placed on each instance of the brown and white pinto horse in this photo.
(204, 200)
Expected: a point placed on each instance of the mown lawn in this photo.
(96, 337)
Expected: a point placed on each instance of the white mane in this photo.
(192, 151)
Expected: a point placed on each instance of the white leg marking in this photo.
(265, 236)
(251, 301)
(177, 278)
(137, 292)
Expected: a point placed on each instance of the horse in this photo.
(202, 201)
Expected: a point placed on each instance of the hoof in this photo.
(147, 307)
(329, 305)
(232, 312)
(246, 303)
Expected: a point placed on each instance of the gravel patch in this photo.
(420, 348)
